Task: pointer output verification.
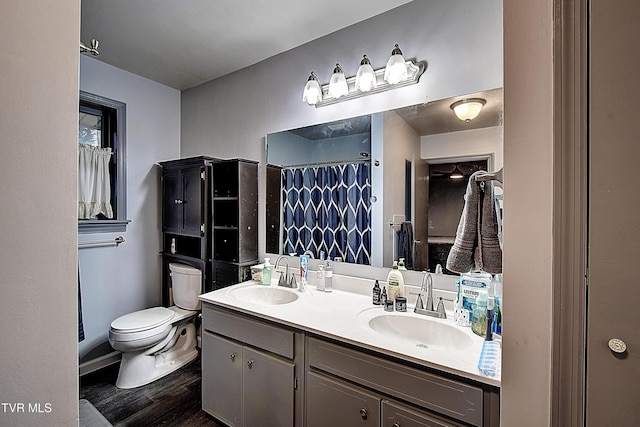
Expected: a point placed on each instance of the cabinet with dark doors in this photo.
(186, 218)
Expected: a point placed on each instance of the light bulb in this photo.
(312, 93)
(338, 83)
(396, 69)
(366, 76)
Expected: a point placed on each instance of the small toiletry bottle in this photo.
(328, 276)
(401, 265)
(395, 282)
(376, 293)
(266, 272)
(321, 278)
(383, 296)
(497, 309)
(479, 315)
(304, 272)
(489, 328)
(173, 245)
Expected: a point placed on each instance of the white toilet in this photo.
(157, 341)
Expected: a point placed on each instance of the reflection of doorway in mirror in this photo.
(446, 190)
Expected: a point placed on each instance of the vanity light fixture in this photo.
(395, 71)
(338, 84)
(468, 109)
(366, 76)
(312, 91)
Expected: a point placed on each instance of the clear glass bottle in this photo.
(479, 315)
(328, 277)
(320, 277)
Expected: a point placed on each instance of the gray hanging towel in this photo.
(489, 248)
(405, 243)
(461, 257)
(477, 246)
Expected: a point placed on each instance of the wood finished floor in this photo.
(172, 401)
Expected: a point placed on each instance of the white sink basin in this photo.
(261, 294)
(423, 332)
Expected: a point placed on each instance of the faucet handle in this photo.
(419, 304)
(283, 280)
(440, 309)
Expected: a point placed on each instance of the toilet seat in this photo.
(141, 329)
(142, 320)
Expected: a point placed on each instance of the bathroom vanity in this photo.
(277, 357)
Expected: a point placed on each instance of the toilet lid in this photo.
(142, 320)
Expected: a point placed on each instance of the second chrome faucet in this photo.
(420, 308)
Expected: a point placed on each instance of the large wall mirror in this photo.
(380, 187)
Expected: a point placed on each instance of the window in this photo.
(102, 124)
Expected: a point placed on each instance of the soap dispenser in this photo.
(266, 272)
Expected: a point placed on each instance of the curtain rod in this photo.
(342, 162)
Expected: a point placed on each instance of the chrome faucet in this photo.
(284, 277)
(285, 280)
(427, 286)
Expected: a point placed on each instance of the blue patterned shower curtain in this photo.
(328, 208)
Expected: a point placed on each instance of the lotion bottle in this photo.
(395, 282)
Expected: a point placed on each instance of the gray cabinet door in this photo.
(338, 404)
(268, 385)
(222, 379)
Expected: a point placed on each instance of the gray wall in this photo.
(461, 42)
(38, 134)
(123, 279)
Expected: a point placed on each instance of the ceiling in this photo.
(185, 43)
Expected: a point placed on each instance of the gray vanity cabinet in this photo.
(260, 373)
(248, 370)
(437, 400)
(336, 403)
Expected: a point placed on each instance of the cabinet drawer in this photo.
(337, 404)
(395, 414)
(258, 334)
(452, 398)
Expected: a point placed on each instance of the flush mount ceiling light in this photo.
(338, 84)
(312, 91)
(468, 109)
(456, 174)
(367, 81)
(366, 76)
(395, 71)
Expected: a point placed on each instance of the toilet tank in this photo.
(186, 284)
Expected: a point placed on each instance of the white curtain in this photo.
(94, 183)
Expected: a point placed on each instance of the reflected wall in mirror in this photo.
(376, 188)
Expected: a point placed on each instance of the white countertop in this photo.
(344, 316)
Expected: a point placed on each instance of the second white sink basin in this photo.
(422, 332)
(261, 294)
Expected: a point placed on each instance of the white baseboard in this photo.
(99, 362)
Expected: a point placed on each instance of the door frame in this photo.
(570, 212)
